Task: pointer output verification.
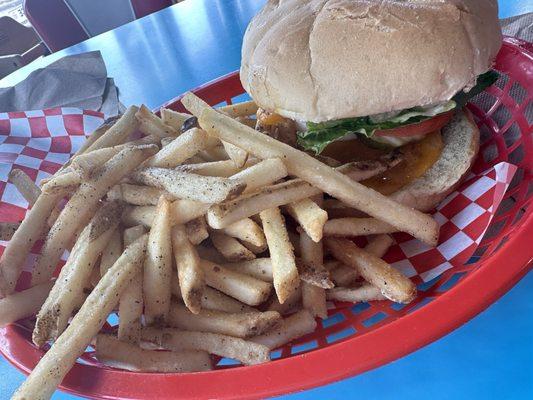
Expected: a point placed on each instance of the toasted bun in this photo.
(461, 145)
(317, 60)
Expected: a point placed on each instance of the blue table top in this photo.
(162, 55)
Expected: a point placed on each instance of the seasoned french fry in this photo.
(221, 215)
(158, 267)
(86, 163)
(180, 149)
(215, 153)
(229, 247)
(352, 227)
(130, 306)
(293, 327)
(214, 300)
(173, 118)
(24, 303)
(183, 185)
(82, 204)
(151, 124)
(247, 352)
(378, 245)
(340, 274)
(93, 137)
(68, 179)
(224, 168)
(365, 292)
(239, 109)
(74, 276)
(237, 155)
(261, 174)
(25, 185)
(300, 164)
(260, 268)
(313, 296)
(242, 325)
(111, 351)
(256, 249)
(392, 283)
(294, 302)
(54, 365)
(240, 286)
(207, 252)
(310, 217)
(285, 273)
(8, 229)
(118, 133)
(137, 195)
(197, 230)
(18, 248)
(182, 211)
(190, 273)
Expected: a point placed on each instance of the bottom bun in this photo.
(461, 145)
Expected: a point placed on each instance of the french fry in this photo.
(313, 296)
(340, 274)
(239, 109)
(118, 133)
(25, 185)
(18, 248)
(68, 179)
(352, 227)
(242, 325)
(74, 276)
(221, 215)
(378, 245)
(224, 168)
(240, 286)
(309, 216)
(86, 163)
(290, 328)
(194, 187)
(137, 195)
(251, 122)
(207, 252)
(285, 273)
(182, 211)
(190, 273)
(158, 267)
(197, 230)
(212, 299)
(111, 351)
(256, 249)
(173, 118)
(215, 153)
(54, 365)
(261, 174)
(151, 124)
(247, 352)
(24, 303)
(362, 293)
(229, 247)
(260, 268)
(325, 178)
(196, 105)
(392, 283)
(293, 303)
(130, 306)
(82, 204)
(8, 229)
(180, 149)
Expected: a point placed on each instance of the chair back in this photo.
(55, 23)
(15, 38)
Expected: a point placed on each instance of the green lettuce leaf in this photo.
(319, 135)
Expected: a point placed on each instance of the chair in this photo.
(55, 23)
(18, 45)
(63, 23)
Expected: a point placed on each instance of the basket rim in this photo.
(475, 292)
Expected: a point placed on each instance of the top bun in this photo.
(318, 60)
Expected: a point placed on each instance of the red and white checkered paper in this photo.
(39, 142)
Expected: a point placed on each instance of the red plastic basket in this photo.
(357, 338)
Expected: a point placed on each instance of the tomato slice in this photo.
(420, 128)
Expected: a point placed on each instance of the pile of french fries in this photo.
(183, 233)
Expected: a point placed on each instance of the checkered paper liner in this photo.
(39, 142)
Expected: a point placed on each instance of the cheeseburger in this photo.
(356, 79)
